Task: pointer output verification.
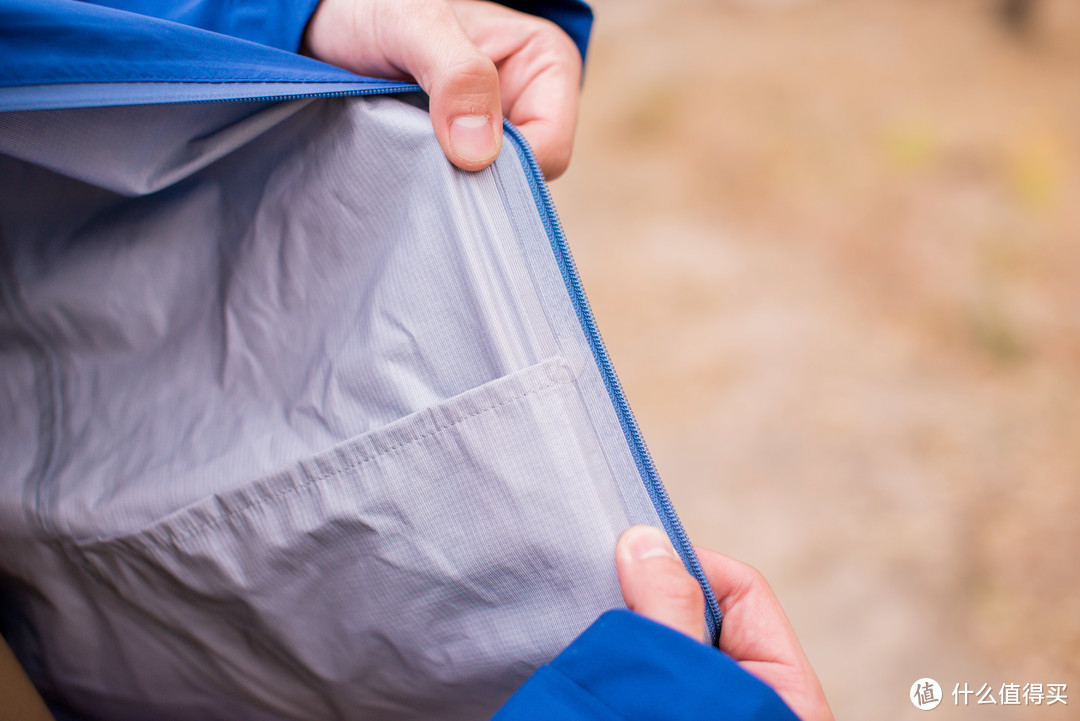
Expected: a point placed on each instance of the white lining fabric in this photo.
(298, 421)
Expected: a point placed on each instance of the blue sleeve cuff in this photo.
(625, 667)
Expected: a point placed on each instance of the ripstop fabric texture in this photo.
(310, 433)
(298, 421)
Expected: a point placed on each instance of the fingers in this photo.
(476, 61)
(756, 633)
(539, 75)
(655, 583)
(755, 627)
(426, 40)
(545, 108)
(421, 39)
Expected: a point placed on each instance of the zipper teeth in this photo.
(642, 458)
(653, 485)
(387, 90)
(550, 218)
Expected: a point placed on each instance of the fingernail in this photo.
(472, 138)
(649, 542)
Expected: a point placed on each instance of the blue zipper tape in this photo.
(99, 95)
(642, 459)
(139, 93)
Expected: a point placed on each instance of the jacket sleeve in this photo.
(627, 668)
(280, 23)
(276, 23)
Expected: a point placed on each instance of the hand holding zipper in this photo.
(756, 632)
(478, 61)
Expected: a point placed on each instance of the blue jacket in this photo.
(628, 668)
(439, 395)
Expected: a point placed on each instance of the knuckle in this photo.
(469, 84)
(473, 66)
(553, 40)
(754, 577)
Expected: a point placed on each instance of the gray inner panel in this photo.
(298, 421)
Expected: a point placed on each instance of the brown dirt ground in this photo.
(834, 248)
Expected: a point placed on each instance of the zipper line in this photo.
(387, 90)
(640, 452)
(550, 219)
(642, 458)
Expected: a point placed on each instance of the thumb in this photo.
(655, 583)
(462, 83)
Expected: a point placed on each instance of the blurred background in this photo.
(834, 249)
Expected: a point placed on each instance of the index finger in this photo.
(755, 628)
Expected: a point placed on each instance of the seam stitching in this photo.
(151, 533)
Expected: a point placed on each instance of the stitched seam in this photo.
(150, 534)
(47, 389)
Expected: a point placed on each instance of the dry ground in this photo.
(834, 248)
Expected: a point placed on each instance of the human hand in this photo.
(475, 59)
(755, 631)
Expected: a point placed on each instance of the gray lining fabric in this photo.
(298, 421)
